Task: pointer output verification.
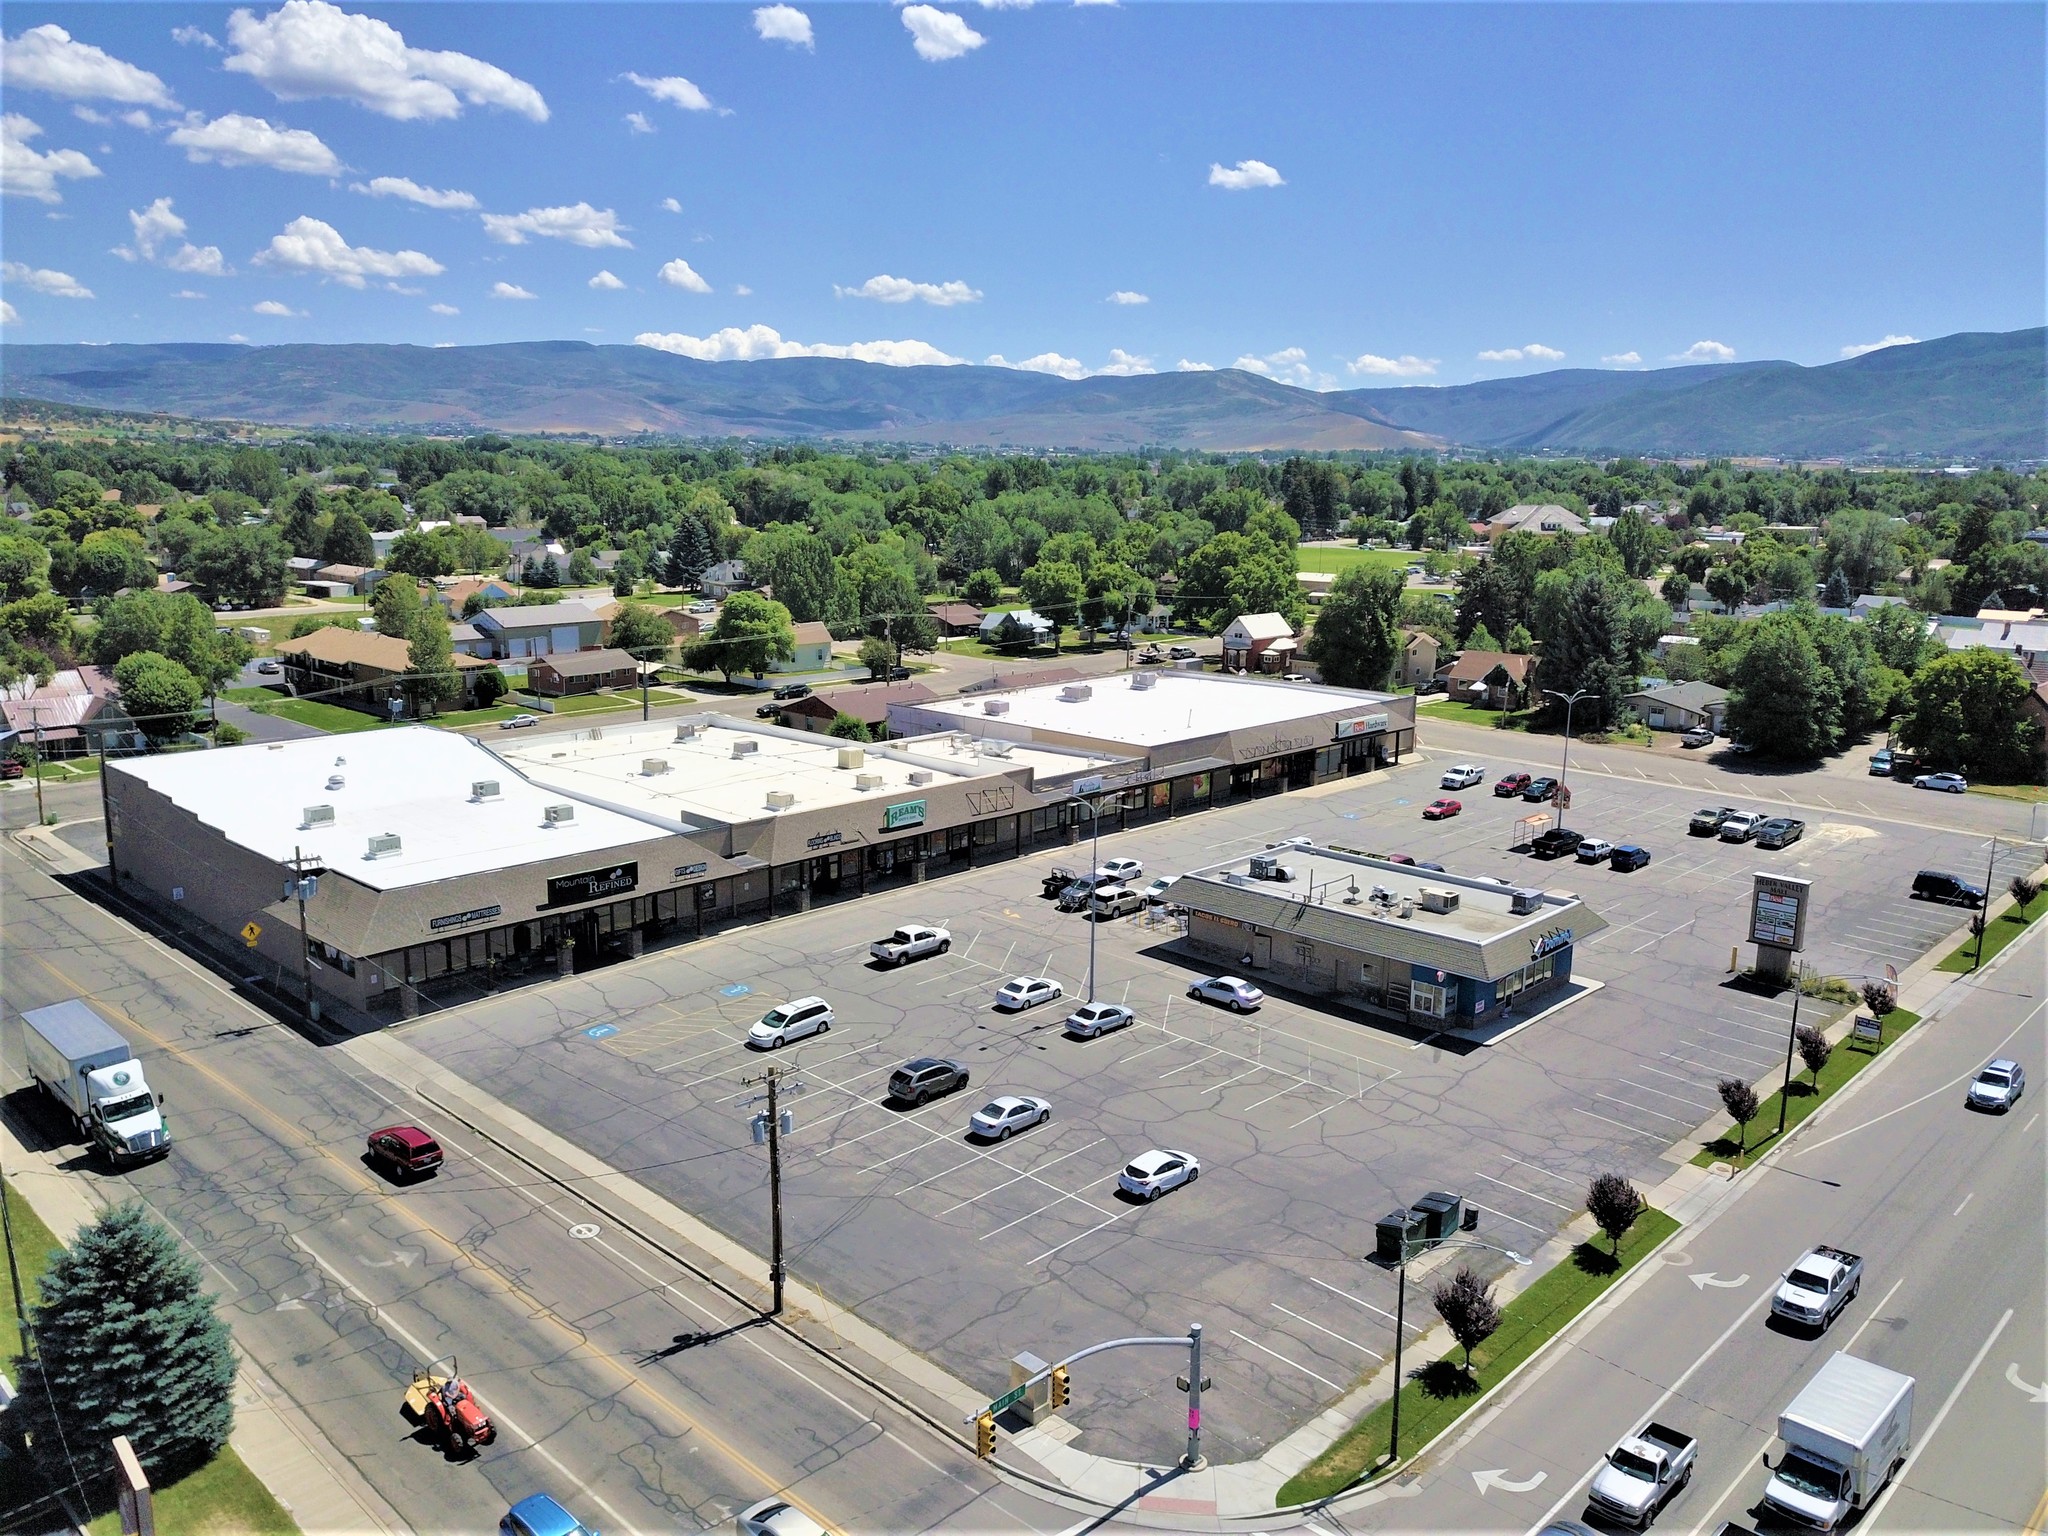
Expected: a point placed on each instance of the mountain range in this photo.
(1973, 395)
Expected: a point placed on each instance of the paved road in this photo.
(336, 1283)
(1945, 1205)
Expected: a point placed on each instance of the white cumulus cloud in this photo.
(194, 37)
(308, 48)
(939, 35)
(1623, 359)
(29, 172)
(901, 290)
(1288, 366)
(49, 59)
(674, 90)
(1126, 296)
(237, 140)
(1705, 352)
(188, 293)
(405, 188)
(640, 122)
(579, 224)
(237, 336)
(680, 274)
(310, 246)
(1857, 349)
(8, 316)
(1125, 365)
(606, 281)
(1406, 366)
(444, 309)
(273, 307)
(58, 285)
(1245, 175)
(741, 290)
(1533, 352)
(671, 205)
(1187, 366)
(1045, 362)
(502, 290)
(160, 238)
(759, 341)
(783, 24)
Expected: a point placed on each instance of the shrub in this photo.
(1814, 1051)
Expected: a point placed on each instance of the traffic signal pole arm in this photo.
(1191, 1341)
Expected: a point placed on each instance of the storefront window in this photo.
(1162, 795)
(1426, 1000)
(1198, 787)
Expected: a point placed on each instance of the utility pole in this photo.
(28, 1345)
(1983, 917)
(768, 1127)
(1791, 1044)
(300, 882)
(36, 714)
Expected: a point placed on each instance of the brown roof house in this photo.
(956, 619)
(581, 672)
(869, 705)
(1466, 678)
(362, 669)
(74, 710)
(813, 651)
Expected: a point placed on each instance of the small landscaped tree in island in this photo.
(1814, 1051)
(1879, 998)
(1739, 1099)
(1465, 1303)
(2024, 888)
(1614, 1204)
(126, 1343)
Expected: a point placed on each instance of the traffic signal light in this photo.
(985, 1436)
(1062, 1387)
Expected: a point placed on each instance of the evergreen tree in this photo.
(1836, 593)
(689, 554)
(431, 659)
(348, 541)
(126, 1343)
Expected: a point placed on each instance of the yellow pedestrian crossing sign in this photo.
(251, 932)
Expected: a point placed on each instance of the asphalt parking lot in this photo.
(1308, 1125)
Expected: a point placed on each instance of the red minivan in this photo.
(404, 1151)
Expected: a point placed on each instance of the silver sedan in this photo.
(1232, 992)
(1021, 992)
(1002, 1117)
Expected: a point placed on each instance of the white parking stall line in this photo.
(1249, 1072)
(1504, 1216)
(1147, 1051)
(716, 1050)
(1361, 1301)
(1083, 1237)
(1062, 1200)
(1297, 1365)
(1641, 1109)
(1214, 1052)
(1304, 1120)
(1768, 1031)
(1745, 1061)
(1544, 1199)
(1653, 943)
(932, 1138)
(1618, 1125)
(1535, 1168)
(1032, 1173)
(1319, 1328)
(1776, 1018)
(1269, 1098)
(1715, 1034)
(1644, 1066)
(1674, 1098)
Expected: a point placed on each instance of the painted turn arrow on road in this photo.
(2034, 1394)
(1497, 1477)
(1710, 1278)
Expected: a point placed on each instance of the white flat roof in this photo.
(1172, 707)
(413, 781)
(704, 782)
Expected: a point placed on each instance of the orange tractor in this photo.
(446, 1404)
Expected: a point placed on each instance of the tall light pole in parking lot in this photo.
(1565, 767)
(1408, 1247)
(1081, 790)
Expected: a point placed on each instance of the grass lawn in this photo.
(251, 695)
(2001, 931)
(1848, 1059)
(1438, 1394)
(331, 718)
(456, 719)
(1334, 559)
(2029, 792)
(65, 769)
(1070, 641)
(1476, 714)
(223, 1498)
(34, 1246)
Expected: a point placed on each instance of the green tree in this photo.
(689, 554)
(430, 658)
(1614, 1204)
(489, 687)
(983, 588)
(419, 554)
(1466, 1304)
(847, 727)
(1728, 584)
(24, 567)
(127, 1343)
(348, 541)
(1585, 640)
(395, 604)
(1675, 588)
(1965, 712)
(1636, 542)
(106, 562)
(1357, 638)
(239, 565)
(299, 525)
(1233, 574)
(750, 632)
(878, 656)
(1481, 639)
(1898, 637)
(641, 632)
(1054, 589)
(1782, 698)
(798, 566)
(158, 693)
(583, 571)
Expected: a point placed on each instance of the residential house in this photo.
(957, 619)
(1258, 642)
(299, 569)
(467, 639)
(346, 580)
(361, 669)
(1019, 627)
(813, 652)
(724, 579)
(1535, 517)
(582, 672)
(2034, 706)
(455, 594)
(1315, 585)
(1419, 653)
(1465, 679)
(1680, 706)
(687, 625)
(869, 705)
(69, 715)
(542, 630)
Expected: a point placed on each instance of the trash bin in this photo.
(1398, 1233)
(1439, 1213)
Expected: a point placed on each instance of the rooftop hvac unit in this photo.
(596, 733)
(962, 741)
(1437, 899)
(651, 766)
(1075, 693)
(336, 781)
(383, 845)
(921, 776)
(1522, 900)
(780, 799)
(558, 814)
(484, 789)
(867, 781)
(1143, 680)
(1232, 877)
(852, 757)
(746, 746)
(1407, 909)
(686, 731)
(995, 749)
(995, 706)
(318, 816)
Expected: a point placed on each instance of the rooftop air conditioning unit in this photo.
(383, 845)
(318, 816)
(597, 733)
(484, 789)
(1407, 909)
(746, 746)
(867, 781)
(686, 731)
(852, 757)
(995, 707)
(1075, 693)
(1437, 899)
(556, 815)
(1232, 877)
(962, 741)
(921, 776)
(1143, 680)
(1522, 900)
(780, 799)
(336, 781)
(653, 765)
(996, 748)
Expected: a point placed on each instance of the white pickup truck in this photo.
(1642, 1474)
(1814, 1290)
(911, 942)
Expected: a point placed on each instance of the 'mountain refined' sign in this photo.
(593, 884)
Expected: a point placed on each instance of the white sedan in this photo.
(1021, 992)
(1092, 1019)
(777, 1517)
(1952, 783)
(1123, 871)
(1233, 992)
(518, 722)
(1151, 1174)
(1002, 1117)
(1461, 776)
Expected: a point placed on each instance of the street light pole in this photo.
(1095, 857)
(1401, 1319)
(1564, 768)
(1983, 916)
(1791, 1044)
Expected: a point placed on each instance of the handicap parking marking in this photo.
(734, 989)
(601, 1031)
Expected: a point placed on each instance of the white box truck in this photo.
(1845, 1434)
(81, 1061)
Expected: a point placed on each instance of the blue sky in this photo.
(1338, 195)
